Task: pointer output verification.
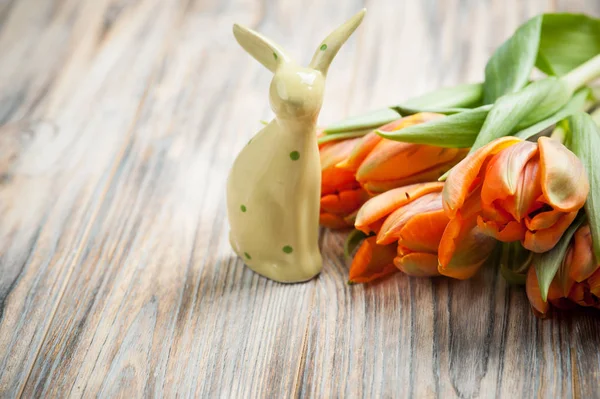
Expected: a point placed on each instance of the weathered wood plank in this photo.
(56, 178)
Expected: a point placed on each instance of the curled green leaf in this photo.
(446, 111)
(463, 95)
(448, 98)
(547, 264)
(352, 241)
(342, 136)
(585, 143)
(567, 40)
(511, 276)
(513, 112)
(455, 131)
(509, 68)
(370, 120)
(576, 103)
(514, 262)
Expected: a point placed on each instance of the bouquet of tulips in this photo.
(510, 166)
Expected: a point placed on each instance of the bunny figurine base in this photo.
(273, 189)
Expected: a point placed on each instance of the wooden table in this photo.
(120, 119)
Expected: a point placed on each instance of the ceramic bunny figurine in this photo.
(274, 185)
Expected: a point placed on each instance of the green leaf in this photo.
(342, 136)
(511, 276)
(454, 131)
(370, 120)
(576, 104)
(585, 143)
(352, 241)
(567, 40)
(553, 95)
(446, 111)
(510, 66)
(515, 111)
(464, 95)
(547, 264)
(514, 262)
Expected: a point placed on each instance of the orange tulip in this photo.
(355, 169)
(341, 194)
(515, 190)
(576, 283)
(409, 223)
(380, 164)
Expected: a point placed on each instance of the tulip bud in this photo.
(575, 278)
(381, 164)
(341, 194)
(412, 221)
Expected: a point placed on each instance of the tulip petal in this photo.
(473, 248)
(372, 261)
(578, 294)
(497, 212)
(512, 231)
(504, 171)
(529, 190)
(344, 202)
(358, 154)
(396, 221)
(371, 139)
(393, 160)
(379, 186)
(543, 220)
(534, 294)
(418, 264)
(582, 264)
(458, 226)
(334, 179)
(462, 177)
(382, 205)
(563, 177)
(544, 240)
(582, 295)
(562, 283)
(594, 283)
(335, 152)
(423, 232)
(332, 221)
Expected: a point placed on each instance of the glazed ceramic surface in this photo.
(273, 187)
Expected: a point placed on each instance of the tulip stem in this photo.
(559, 134)
(596, 116)
(583, 74)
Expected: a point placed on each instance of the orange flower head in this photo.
(341, 194)
(355, 169)
(515, 190)
(577, 281)
(381, 164)
(409, 223)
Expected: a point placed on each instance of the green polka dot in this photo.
(275, 55)
(288, 250)
(323, 47)
(294, 155)
(247, 255)
(243, 208)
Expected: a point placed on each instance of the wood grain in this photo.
(119, 120)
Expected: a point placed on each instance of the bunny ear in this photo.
(262, 49)
(332, 43)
